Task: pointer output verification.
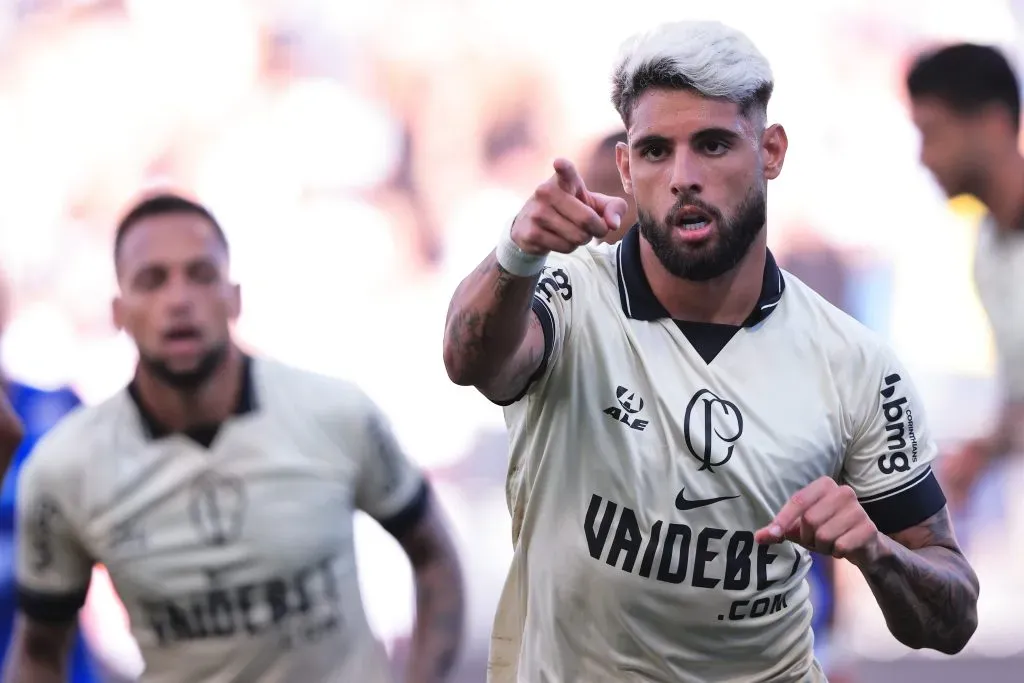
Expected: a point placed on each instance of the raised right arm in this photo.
(494, 336)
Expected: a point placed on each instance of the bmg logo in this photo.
(554, 281)
(899, 430)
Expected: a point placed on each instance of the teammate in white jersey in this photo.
(966, 103)
(686, 419)
(219, 492)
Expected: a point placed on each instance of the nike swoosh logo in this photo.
(683, 504)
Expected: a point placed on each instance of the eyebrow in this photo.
(711, 132)
(648, 140)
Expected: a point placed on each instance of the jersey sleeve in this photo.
(1011, 369)
(888, 463)
(390, 488)
(53, 568)
(553, 306)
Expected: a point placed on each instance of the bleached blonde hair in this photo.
(707, 57)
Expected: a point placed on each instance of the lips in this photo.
(182, 333)
(691, 218)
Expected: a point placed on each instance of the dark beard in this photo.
(190, 380)
(727, 248)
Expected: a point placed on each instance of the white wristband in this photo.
(515, 260)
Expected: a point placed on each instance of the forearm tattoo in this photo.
(438, 629)
(926, 588)
(476, 329)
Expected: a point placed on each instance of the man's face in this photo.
(697, 169)
(949, 145)
(602, 175)
(176, 300)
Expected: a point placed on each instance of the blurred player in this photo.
(966, 104)
(219, 491)
(686, 420)
(38, 410)
(601, 175)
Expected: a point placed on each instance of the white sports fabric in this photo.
(999, 278)
(231, 548)
(645, 454)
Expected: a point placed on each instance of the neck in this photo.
(213, 401)
(1003, 194)
(725, 300)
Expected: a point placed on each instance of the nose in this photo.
(687, 174)
(178, 296)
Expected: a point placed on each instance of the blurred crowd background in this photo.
(362, 157)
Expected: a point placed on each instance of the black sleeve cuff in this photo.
(907, 505)
(50, 608)
(547, 324)
(408, 517)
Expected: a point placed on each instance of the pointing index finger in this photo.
(570, 180)
(791, 512)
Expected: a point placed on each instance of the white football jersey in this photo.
(647, 451)
(999, 278)
(231, 547)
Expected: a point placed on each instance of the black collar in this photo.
(204, 433)
(639, 302)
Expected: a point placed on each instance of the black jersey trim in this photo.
(547, 325)
(639, 302)
(906, 505)
(203, 434)
(412, 514)
(50, 608)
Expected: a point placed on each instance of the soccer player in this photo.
(219, 490)
(686, 420)
(601, 174)
(39, 410)
(966, 103)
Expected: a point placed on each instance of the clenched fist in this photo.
(563, 215)
(826, 518)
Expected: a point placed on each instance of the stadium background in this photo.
(362, 157)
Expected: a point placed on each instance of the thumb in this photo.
(611, 209)
(773, 533)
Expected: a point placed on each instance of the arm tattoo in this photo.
(517, 375)
(439, 601)
(503, 282)
(925, 587)
(485, 319)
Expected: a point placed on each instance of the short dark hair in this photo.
(967, 78)
(159, 205)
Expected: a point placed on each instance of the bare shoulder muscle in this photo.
(521, 367)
